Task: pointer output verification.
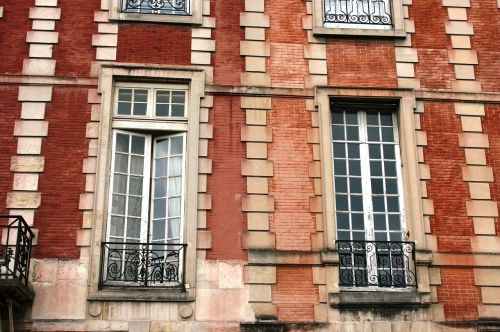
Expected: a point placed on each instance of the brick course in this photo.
(225, 220)
(291, 186)
(491, 124)
(13, 27)
(154, 43)
(62, 182)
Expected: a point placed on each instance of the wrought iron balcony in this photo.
(126, 264)
(158, 7)
(15, 253)
(377, 264)
(374, 12)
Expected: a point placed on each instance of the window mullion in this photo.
(365, 177)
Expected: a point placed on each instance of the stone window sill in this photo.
(390, 33)
(377, 298)
(142, 295)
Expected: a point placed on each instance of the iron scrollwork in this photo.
(376, 12)
(15, 252)
(377, 263)
(142, 264)
(160, 7)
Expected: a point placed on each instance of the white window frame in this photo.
(193, 79)
(397, 29)
(195, 16)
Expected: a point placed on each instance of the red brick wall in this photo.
(446, 159)
(355, 62)
(13, 27)
(291, 186)
(485, 16)
(458, 294)
(491, 124)
(227, 62)
(75, 52)
(432, 43)
(10, 110)
(287, 37)
(154, 43)
(226, 185)
(62, 182)
(295, 294)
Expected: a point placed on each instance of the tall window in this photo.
(368, 196)
(144, 244)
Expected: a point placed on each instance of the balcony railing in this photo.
(158, 7)
(377, 264)
(374, 12)
(15, 248)
(125, 264)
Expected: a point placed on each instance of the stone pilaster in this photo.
(406, 56)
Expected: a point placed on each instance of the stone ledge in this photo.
(274, 326)
(141, 295)
(374, 299)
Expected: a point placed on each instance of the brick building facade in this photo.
(254, 165)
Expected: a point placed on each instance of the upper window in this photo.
(359, 17)
(174, 11)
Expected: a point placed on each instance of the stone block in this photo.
(465, 72)
(467, 86)
(204, 202)
(255, 34)
(256, 79)
(460, 42)
(471, 123)
(257, 203)
(265, 311)
(35, 93)
(314, 169)
(459, 28)
(474, 109)
(42, 37)
(473, 140)
(316, 204)
(46, 3)
(86, 201)
(257, 185)
(230, 275)
(256, 134)
(201, 33)
(139, 325)
(205, 45)
(477, 173)
(254, 6)
(484, 226)
(201, 58)
(31, 128)
(44, 25)
(488, 312)
(256, 117)
(457, 14)
(202, 183)
(485, 244)
(25, 181)
(255, 64)
(222, 305)
(477, 208)
(317, 67)
(40, 50)
(106, 53)
(487, 277)
(479, 190)
(261, 168)
(89, 165)
(27, 164)
(61, 302)
(204, 166)
(203, 239)
(456, 3)
(107, 28)
(319, 275)
(258, 240)
(83, 237)
(206, 130)
(263, 103)
(29, 145)
(257, 221)
(405, 54)
(23, 200)
(260, 274)
(315, 51)
(105, 40)
(260, 293)
(45, 13)
(404, 69)
(490, 295)
(258, 20)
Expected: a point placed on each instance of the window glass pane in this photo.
(379, 222)
(375, 168)
(380, 236)
(159, 208)
(378, 204)
(390, 168)
(178, 97)
(138, 144)
(121, 163)
(358, 236)
(353, 150)
(386, 119)
(338, 133)
(161, 167)
(377, 186)
(338, 150)
(163, 96)
(160, 188)
(354, 167)
(124, 108)
(162, 109)
(177, 110)
(158, 229)
(389, 151)
(388, 134)
(343, 220)
(140, 109)
(393, 204)
(337, 118)
(140, 96)
(391, 186)
(175, 166)
(374, 151)
(355, 185)
(118, 204)
(358, 221)
(341, 184)
(176, 145)
(174, 207)
(352, 133)
(351, 117)
(394, 222)
(119, 184)
(133, 227)
(137, 165)
(372, 118)
(134, 206)
(341, 203)
(117, 226)
(135, 186)
(343, 236)
(122, 143)
(174, 226)
(174, 186)
(124, 94)
(373, 134)
(356, 203)
(161, 147)
(395, 237)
